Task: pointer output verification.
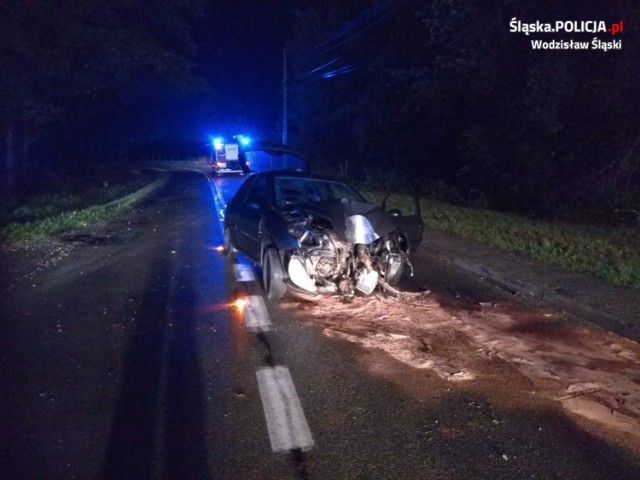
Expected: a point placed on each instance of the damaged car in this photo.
(313, 235)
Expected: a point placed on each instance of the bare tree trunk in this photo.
(26, 145)
(26, 179)
(343, 167)
(629, 163)
(8, 183)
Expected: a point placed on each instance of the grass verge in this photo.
(55, 217)
(612, 254)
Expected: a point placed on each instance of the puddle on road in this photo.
(592, 373)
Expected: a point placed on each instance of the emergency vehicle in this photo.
(225, 156)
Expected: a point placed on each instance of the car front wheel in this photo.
(273, 275)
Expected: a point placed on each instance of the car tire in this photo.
(227, 246)
(273, 275)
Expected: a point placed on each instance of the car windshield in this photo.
(294, 190)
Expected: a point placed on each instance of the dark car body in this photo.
(298, 225)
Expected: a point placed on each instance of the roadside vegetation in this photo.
(609, 253)
(423, 95)
(45, 214)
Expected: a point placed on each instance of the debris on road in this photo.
(590, 372)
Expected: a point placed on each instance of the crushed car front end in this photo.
(313, 235)
(344, 247)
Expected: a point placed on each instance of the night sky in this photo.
(240, 53)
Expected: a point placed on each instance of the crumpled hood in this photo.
(338, 211)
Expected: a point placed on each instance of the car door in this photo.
(248, 216)
(410, 221)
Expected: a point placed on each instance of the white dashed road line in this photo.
(286, 423)
(218, 201)
(256, 317)
(244, 273)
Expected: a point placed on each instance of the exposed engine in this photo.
(327, 263)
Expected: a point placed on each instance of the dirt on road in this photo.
(513, 354)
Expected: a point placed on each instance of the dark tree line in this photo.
(436, 93)
(439, 93)
(88, 79)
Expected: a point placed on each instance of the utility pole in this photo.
(284, 96)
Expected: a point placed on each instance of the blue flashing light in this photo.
(243, 139)
(218, 142)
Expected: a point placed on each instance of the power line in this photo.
(324, 65)
(361, 21)
(339, 71)
(349, 31)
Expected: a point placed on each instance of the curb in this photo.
(612, 308)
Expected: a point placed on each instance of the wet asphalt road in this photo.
(128, 360)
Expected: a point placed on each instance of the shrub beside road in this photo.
(48, 214)
(612, 254)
